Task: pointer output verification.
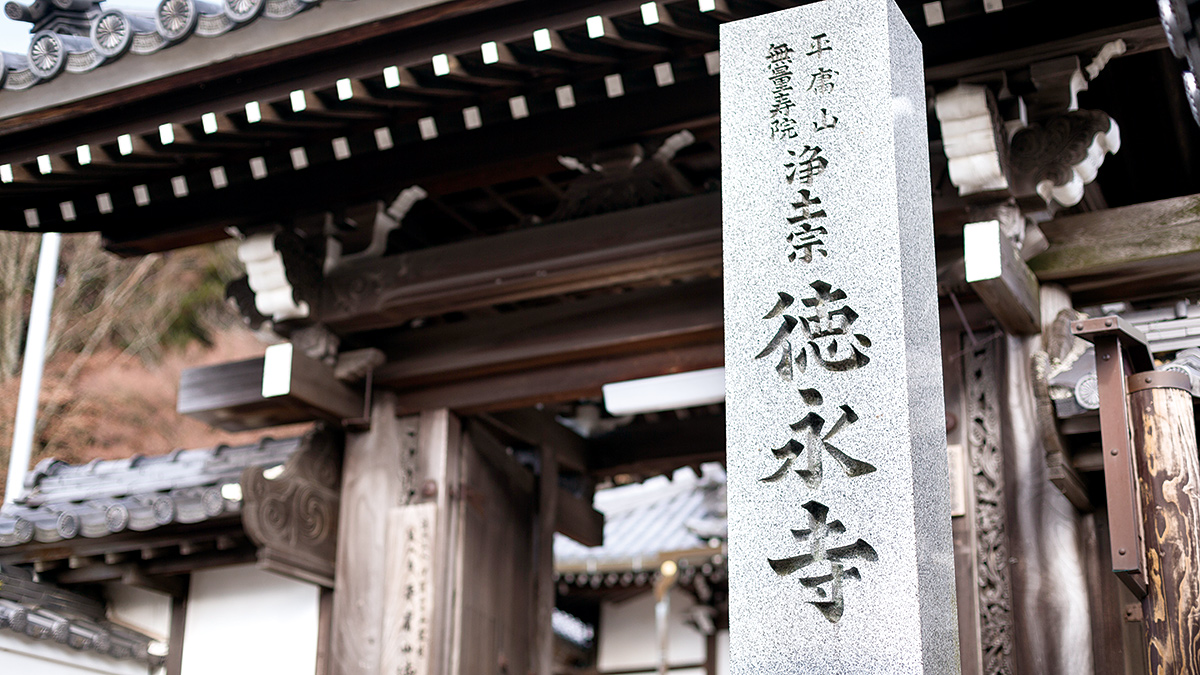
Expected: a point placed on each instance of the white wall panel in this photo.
(244, 621)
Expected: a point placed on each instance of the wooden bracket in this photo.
(998, 275)
(1121, 350)
(293, 517)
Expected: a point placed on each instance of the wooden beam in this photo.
(174, 664)
(283, 387)
(559, 382)
(558, 352)
(539, 428)
(682, 237)
(649, 448)
(578, 520)
(1132, 252)
(599, 326)
(1001, 279)
(1140, 36)
(464, 159)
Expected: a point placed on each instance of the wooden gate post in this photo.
(1168, 470)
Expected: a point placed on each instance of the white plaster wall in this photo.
(244, 621)
(628, 638)
(145, 611)
(20, 655)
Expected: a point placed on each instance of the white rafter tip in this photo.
(441, 65)
(43, 162)
(341, 148)
(650, 13)
(125, 144)
(258, 168)
(391, 77)
(6, 173)
(934, 14)
(541, 39)
(299, 101)
(566, 96)
(253, 112)
(519, 107)
(209, 121)
(299, 158)
(68, 211)
(595, 27)
(345, 89)
(664, 75)
(31, 218)
(712, 62)
(166, 134)
(613, 85)
(104, 202)
(383, 138)
(472, 119)
(141, 195)
(428, 128)
(490, 52)
(219, 179)
(708, 5)
(179, 186)
(83, 154)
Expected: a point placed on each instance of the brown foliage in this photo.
(121, 333)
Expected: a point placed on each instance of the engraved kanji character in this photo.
(781, 340)
(820, 44)
(805, 235)
(814, 445)
(783, 127)
(805, 240)
(822, 80)
(827, 318)
(825, 568)
(777, 53)
(782, 103)
(827, 121)
(805, 164)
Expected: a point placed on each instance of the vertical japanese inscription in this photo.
(818, 330)
(412, 534)
(838, 490)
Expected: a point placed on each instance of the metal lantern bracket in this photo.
(1121, 350)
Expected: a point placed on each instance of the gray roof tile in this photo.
(63, 501)
(44, 612)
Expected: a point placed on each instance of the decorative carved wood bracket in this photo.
(1058, 157)
(293, 517)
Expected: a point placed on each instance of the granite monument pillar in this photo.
(839, 512)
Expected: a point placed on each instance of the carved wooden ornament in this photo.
(293, 517)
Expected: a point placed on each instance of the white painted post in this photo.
(33, 364)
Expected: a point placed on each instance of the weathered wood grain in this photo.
(1141, 250)
(544, 580)
(375, 478)
(1164, 435)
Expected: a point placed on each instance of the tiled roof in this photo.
(86, 36)
(660, 516)
(44, 612)
(62, 501)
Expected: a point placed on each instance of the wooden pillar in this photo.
(1164, 439)
(376, 477)
(710, 653)
(544, 582)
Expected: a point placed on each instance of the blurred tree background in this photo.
(121, 332)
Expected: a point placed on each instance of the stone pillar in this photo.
(839, 511)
